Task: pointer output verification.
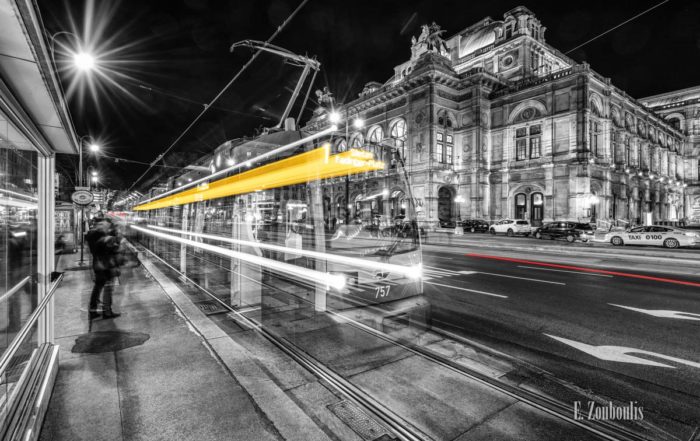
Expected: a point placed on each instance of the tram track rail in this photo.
(403, 429)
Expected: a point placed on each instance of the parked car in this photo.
(447, 223)
(656, 235)
(571, 231)
(511, 227)
(475, 225)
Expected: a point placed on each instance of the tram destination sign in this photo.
(82, 197)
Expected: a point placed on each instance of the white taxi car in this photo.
(657, 235)
(511, 227)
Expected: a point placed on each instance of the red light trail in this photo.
(583, 269)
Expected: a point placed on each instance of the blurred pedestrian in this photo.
(104, 246)
(19, 267)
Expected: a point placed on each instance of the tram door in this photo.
(295, 221)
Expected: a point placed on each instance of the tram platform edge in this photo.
(158, 372)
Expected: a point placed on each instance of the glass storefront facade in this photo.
(18, 249)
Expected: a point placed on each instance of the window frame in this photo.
(527, 138)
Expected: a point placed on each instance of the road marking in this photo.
(469, 290)
(513, 277)
(588, 270)
(438, 273)
(564, 271)
(435, 268)
(620, 354)
(665, 313)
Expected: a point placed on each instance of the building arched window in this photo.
(356, 141)
(376, 134)
(341, 145)
(398, 134)
(675, 122)
(520, 205)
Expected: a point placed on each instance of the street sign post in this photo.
(82, 197)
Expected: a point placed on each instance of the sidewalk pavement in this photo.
(146, 375)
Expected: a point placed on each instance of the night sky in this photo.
(160, 61)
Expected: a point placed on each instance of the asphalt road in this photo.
(557, 318)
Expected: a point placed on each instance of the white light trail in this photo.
(330, 280)
(31, 198)
(412, 272)
(9, 202)
(248, 163)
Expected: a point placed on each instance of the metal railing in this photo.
(26, 329)
(14, 289)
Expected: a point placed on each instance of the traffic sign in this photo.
(82, 197)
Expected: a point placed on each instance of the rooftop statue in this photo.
(429, 40)
(324, 97)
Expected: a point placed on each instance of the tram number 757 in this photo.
(382, 291)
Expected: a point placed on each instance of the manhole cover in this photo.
(361, 423)
(210, 307)
(108, 341)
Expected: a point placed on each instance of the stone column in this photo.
(548, 192)
(506, 204)
(45, 243)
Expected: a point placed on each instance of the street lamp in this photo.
(334, 117)
(93, 148)
(82, 60)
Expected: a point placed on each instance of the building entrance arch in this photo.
(445, 204)
(536, 208)
(397, 203)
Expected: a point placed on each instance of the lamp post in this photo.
(93, 148)
(82, 60)
(358, 124)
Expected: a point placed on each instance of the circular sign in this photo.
(82, 197)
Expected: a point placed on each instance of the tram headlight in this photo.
(336, 281)
(416, 271)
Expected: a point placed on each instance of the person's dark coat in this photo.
(105, 255)
(92, 237)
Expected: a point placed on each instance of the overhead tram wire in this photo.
(606, 32)
(197, 103)
(118, 159)
(235, 77)
(615, 27)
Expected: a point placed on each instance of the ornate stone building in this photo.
(493, 123)
(682, 110)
